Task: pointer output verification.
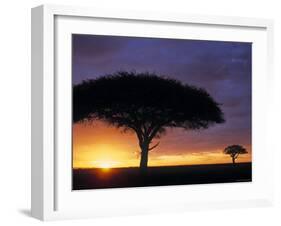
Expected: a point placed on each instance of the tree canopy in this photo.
(126, 97)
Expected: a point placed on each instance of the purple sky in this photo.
(222, 68)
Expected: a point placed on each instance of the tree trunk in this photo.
(233, 160)
(144, 157)
(145, 140)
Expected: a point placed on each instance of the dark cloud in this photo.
(85, 47)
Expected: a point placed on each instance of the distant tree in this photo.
(234, 151)
(145, 104)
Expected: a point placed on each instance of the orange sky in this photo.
(100, 145)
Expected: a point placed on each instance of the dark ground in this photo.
(159, 176)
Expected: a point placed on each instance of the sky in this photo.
(222, 68)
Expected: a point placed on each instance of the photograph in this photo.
(150, 111)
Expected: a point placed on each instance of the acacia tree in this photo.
(234, 151)
(145, 104)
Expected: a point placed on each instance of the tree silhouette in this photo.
(145, 104)
(234, 151)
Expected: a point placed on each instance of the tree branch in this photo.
(236, 156)
(155, 130)
(154, 146)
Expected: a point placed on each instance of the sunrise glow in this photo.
(102, 146)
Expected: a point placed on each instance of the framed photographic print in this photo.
(137, 112)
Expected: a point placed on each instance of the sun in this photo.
(105, 165)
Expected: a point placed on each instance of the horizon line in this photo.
(230, 163)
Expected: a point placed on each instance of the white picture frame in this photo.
(52, 197)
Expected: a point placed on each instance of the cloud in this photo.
(88, 47)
